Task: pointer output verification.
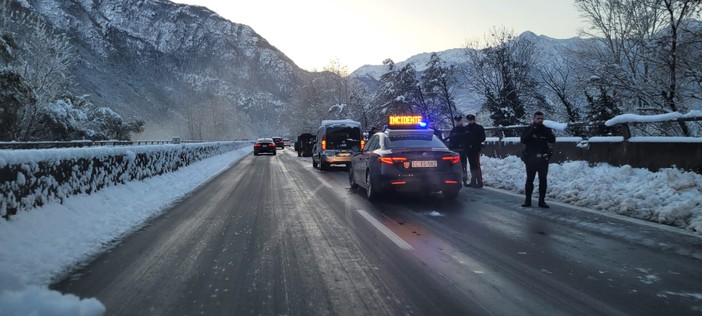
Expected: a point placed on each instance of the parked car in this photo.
(304, 144)
(406, 158)
(336, 142)
(264, 145)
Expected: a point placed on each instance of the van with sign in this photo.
(336, 142)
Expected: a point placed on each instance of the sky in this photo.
(358, 32)
(55, 238)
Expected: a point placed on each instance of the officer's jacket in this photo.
(536, 138)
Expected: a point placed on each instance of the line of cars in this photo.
(405, 157)
(268, 145)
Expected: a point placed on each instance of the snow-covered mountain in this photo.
(548, 50)
(165, 62)
(172, 65)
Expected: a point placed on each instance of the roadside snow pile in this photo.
(669, 196)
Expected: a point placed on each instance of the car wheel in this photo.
(314, 163)
(274, 153)
(323, 165)
(352, 181)
(371, 190)
(450, 194)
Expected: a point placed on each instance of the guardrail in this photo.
(90, 143)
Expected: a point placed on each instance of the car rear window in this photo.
(343, 138)
(414, 141)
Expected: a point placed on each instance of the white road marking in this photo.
(386, 231)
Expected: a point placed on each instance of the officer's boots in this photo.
(542, 198)
(476, 178)
(527, 192)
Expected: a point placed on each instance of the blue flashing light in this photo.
(422, 124)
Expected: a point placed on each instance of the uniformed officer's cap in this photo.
(458, 117)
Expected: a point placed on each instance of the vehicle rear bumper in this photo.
(430, 182)
(337, 158)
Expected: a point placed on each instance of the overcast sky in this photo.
(358, 32)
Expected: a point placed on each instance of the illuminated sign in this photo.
(406, 120)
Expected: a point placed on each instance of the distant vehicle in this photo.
(406, 157)
(279, 142)
(304, 144)
(264, 145)
(286, 141)
(336, 142)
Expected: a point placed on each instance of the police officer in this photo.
(457, 142)
(536, 157)
(475, 136)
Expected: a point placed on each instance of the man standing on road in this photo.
(457, 141)
(536, 157)
(475, 136)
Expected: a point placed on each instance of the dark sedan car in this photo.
(264, 145)
(406, 158)
(279, 142)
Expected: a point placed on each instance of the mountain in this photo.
(168, 63)
(548, 50)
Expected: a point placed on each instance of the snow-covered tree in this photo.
(503, 72)
(642, 47)
(438, 81)
(599, 109)
(14, 95)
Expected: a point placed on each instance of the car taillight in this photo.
(392, 160)
(453, 159)
(271, 145)
(324, 143)
(363, 144)
(257, 145)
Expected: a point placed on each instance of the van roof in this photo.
(346, 122)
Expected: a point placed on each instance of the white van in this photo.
(336, 142)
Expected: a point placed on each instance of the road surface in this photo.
(273, 236)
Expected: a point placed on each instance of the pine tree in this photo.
(599, 109)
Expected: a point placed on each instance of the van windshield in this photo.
(345, 137)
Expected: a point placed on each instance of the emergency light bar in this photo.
(406, 121)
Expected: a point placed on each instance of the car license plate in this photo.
(424, 164)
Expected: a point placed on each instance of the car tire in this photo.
(314, 163)
(352, 180)
(450, 194)
(255, 154)
(371, 187)
(323, 165)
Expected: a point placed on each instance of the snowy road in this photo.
(272, 235)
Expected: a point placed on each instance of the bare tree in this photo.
(640, 52)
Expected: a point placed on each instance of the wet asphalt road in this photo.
(273, 236)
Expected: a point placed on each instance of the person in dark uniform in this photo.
(536, 157)
(475, 136)
(457, 141)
